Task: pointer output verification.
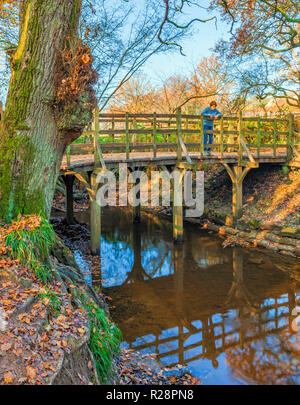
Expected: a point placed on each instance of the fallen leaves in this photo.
(31, 372)
(136, 368)
(34, 340)
(8, 377)
(5, 346)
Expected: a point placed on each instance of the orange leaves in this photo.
(85, 58)
(64, 343)
(25, 319)
(5, 347)
(31, 372)
(8, 377)
(74, 75)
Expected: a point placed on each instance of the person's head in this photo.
(213, 105)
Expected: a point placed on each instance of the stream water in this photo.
(227, 314)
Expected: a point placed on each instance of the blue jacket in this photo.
(206, 113)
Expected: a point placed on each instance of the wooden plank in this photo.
(264, 119)
(127, 136)
(179, 132)
(184, 150)
(290, 137)
(274, 137)
(222, 136)
(258, 137)
(240, 150)
(237, 194)
(201, 135)
(154, 135)
(69, 182)
(95, 218)
(250, 156)
(113, 129)
(69, 155)
(96, 137)
(100, 154)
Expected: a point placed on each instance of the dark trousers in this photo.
(207, 137)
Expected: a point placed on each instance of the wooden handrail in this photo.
(124, 129)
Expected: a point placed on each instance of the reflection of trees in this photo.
(138, 272)
(238, 291)
(205, 251)
(117, 224)
(270, 360)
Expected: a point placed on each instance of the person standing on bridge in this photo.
(210, 114)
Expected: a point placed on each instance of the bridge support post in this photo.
(136, 208)
(177, 202)
(136, 214)
(237, 175)
(95, 217)
(69, 182)
(237, 194)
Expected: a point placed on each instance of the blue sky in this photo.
(195, 47)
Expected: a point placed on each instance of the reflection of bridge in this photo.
(176, 140)
(214, 342)
(192, 315)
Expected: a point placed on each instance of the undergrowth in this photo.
(53, 298)
(105, 338)
(29, 240)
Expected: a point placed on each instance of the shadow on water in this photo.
(225, 313)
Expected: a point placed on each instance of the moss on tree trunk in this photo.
(31, 142)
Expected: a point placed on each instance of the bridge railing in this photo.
(184, 134)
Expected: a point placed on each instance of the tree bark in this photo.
(35, 130)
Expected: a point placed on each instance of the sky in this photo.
(195, 47)
(161, 66)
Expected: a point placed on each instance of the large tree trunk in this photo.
(38, 124)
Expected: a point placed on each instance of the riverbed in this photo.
(227, 314)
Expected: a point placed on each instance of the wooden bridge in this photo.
(176, 141)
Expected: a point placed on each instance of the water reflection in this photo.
(226, 313)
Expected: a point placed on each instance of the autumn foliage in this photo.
(75, 76)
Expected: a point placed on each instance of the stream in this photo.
(226, 314)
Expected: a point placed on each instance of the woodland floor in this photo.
(269, 194)
(34, 336)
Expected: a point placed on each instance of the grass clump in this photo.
(29, 240)
(52, 298)
(105, 339)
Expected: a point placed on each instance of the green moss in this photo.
(17, 150)
(254, 224)
(75, 16)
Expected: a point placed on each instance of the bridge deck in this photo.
(81, 163)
